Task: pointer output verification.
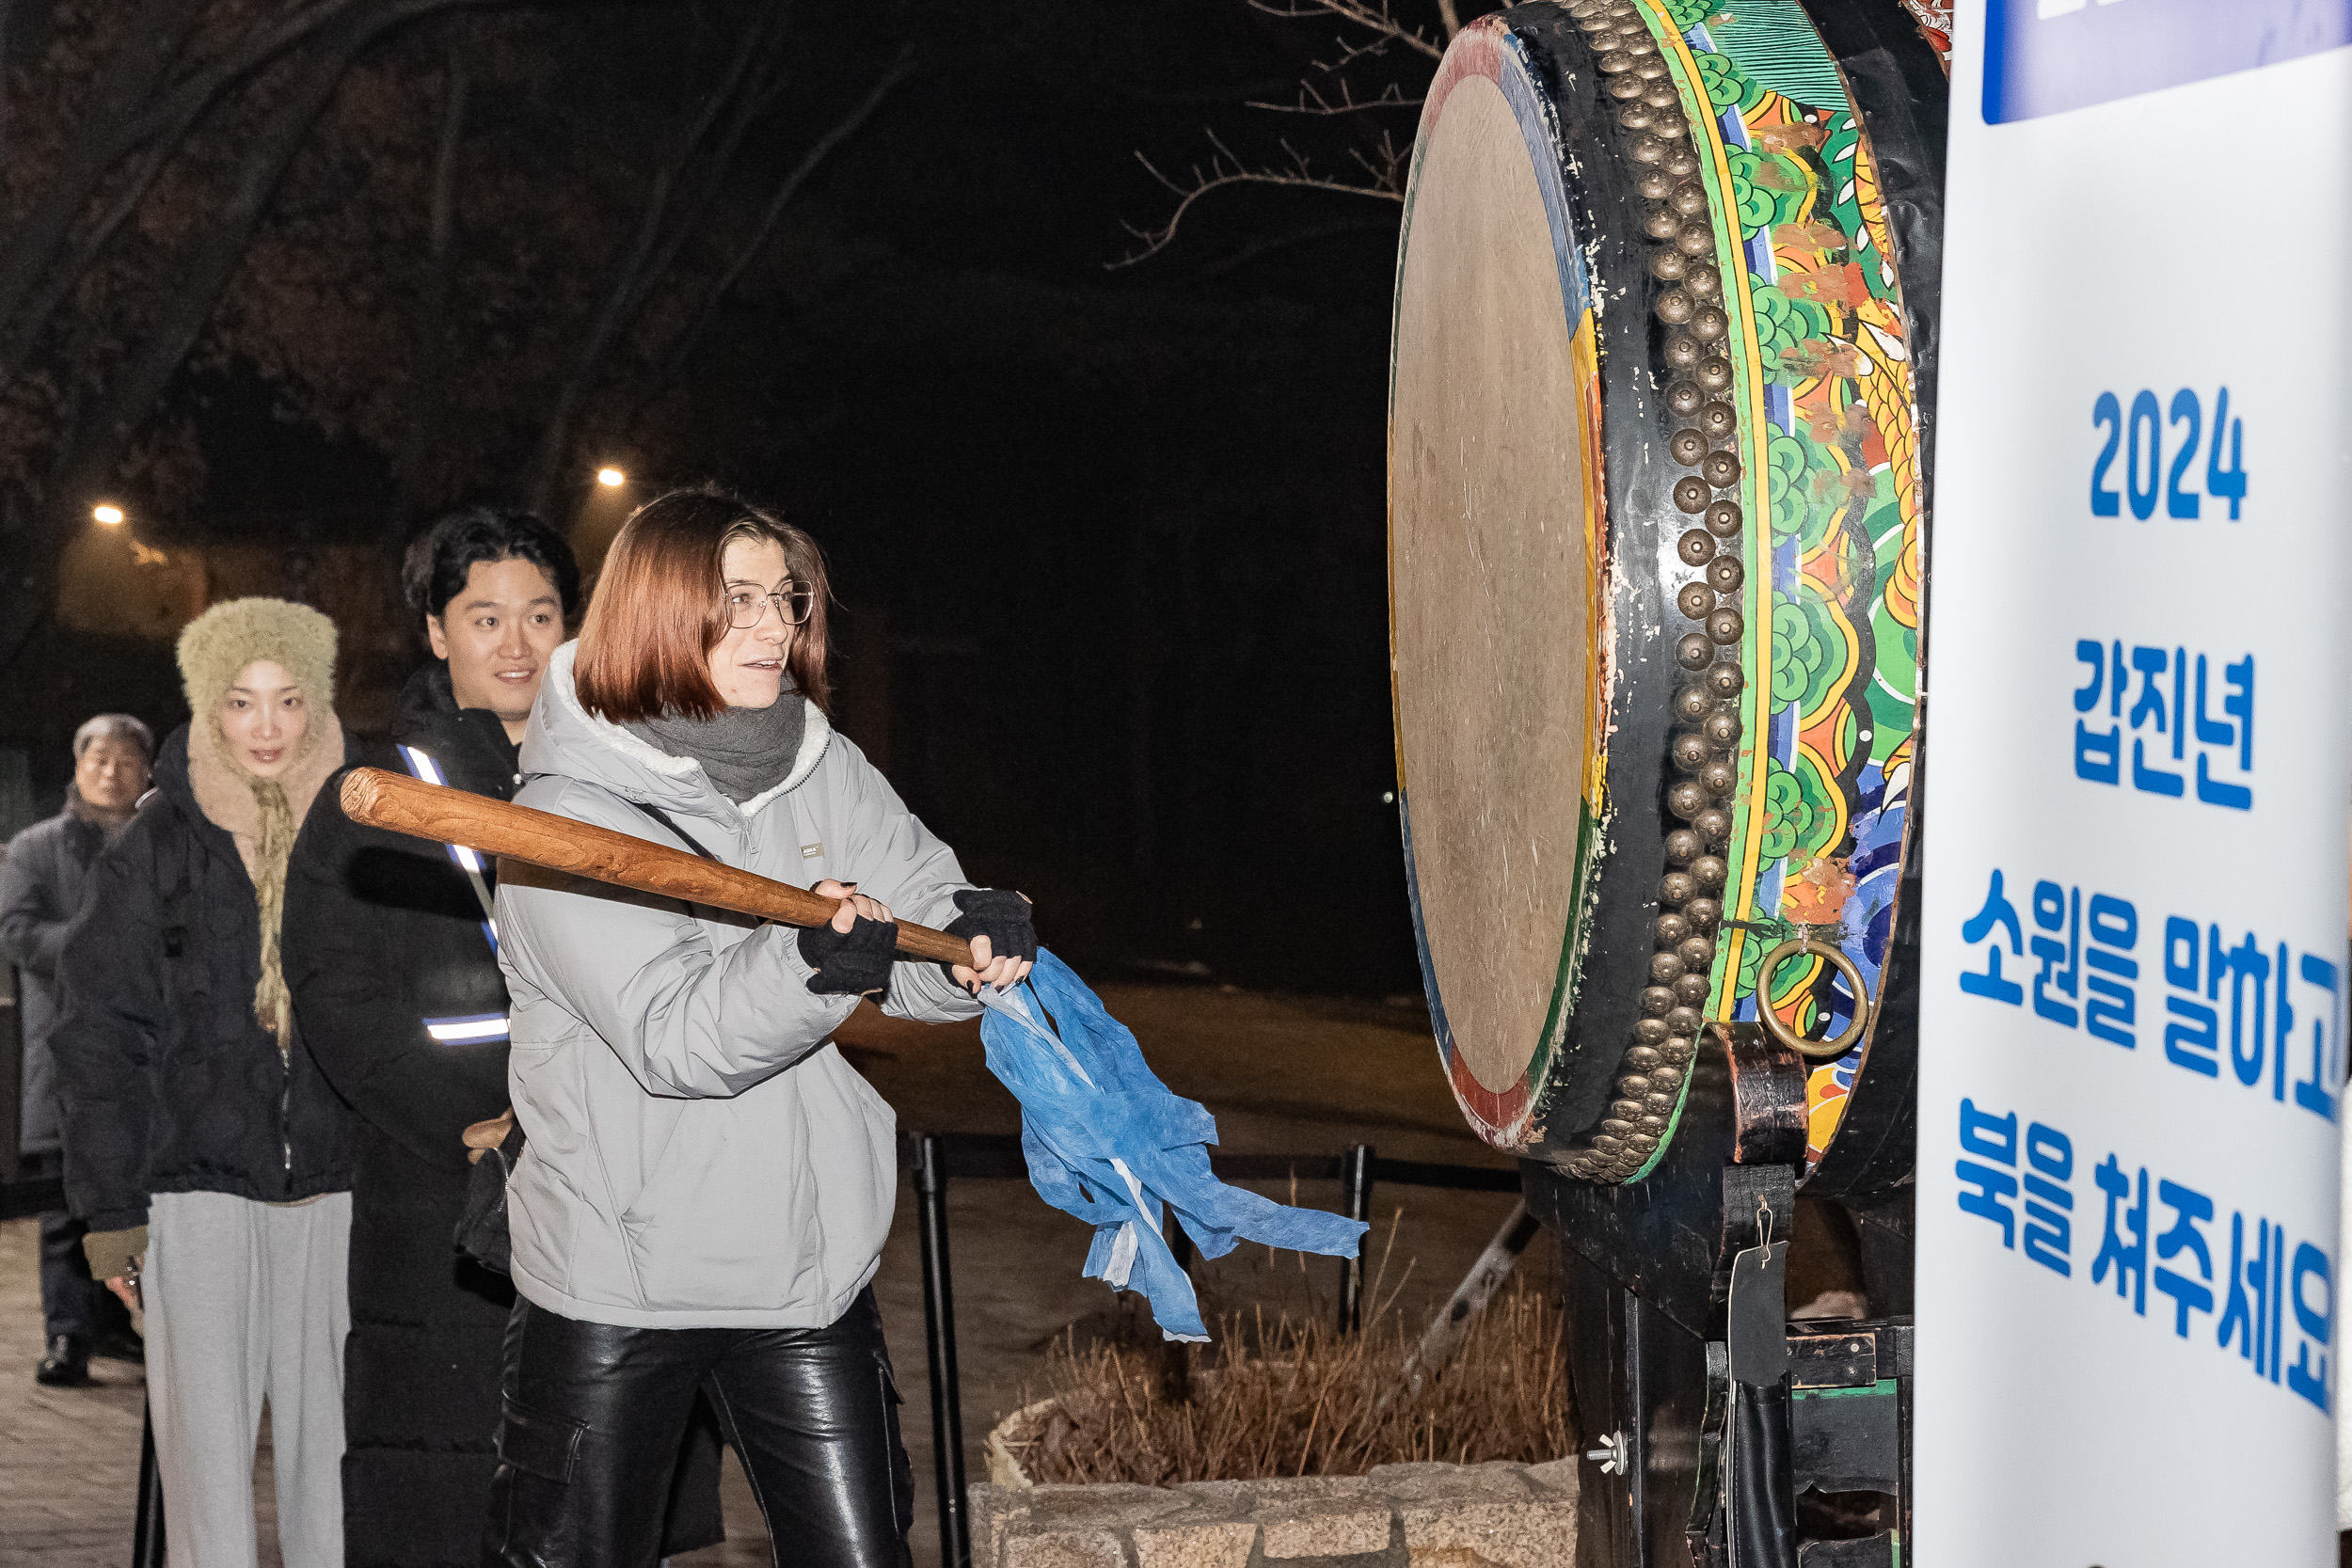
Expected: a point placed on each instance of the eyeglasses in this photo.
(745, 606)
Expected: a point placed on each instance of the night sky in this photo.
(1108, 540)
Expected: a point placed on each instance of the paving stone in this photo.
(1345, 1523)
(1117, 1505)
(992, 1512)
(1064, 1548)
(1185, 1541)
(1559, 1475)
(1471, 1532)
(1501, 1481)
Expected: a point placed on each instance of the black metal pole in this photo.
(1356, 1181)
(939, 1323)
(146, 1536)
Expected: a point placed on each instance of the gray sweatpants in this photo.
(247, 1302)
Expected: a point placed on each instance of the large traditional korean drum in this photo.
(1664, 314)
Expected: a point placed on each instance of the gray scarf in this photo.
(745, 750)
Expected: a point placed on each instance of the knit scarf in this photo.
(745, 750)
(262, 816)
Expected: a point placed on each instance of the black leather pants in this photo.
(593, 1416)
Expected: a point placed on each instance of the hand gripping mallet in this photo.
(381, 799)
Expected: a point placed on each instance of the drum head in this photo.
(1492, 506)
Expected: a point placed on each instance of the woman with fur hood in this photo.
(203, 1149)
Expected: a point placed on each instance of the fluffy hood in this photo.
(565, 738)
(262, 815)
(233, 634)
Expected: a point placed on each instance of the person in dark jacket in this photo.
(40, 887)
(205, 1151)
(417, 1048)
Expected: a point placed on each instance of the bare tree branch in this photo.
(164, 116)
(1226, 169)
(1371, 37)
(657, 241)
(1372, 18)
(843, 128)
(1315, 101)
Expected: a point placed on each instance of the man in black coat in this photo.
(40, 888)
(390, 950)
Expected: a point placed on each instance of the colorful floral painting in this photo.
(1834, 505)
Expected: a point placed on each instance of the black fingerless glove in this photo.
(1000, 915)
(855, 962)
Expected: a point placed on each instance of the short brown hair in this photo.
(660, 608)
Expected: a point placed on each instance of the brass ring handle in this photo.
(1789, 1037)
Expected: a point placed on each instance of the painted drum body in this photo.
(1664, 322)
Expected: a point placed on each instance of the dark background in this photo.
(1109, 539)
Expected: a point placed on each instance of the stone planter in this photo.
(1399, 1516)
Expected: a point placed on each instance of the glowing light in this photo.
(110, 516)
(610, 478)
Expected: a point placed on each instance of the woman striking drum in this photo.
(706, 1183)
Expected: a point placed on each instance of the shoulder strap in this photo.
(666, 820)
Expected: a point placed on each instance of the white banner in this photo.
(2140, 755)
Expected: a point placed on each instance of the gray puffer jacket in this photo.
(699, 1153)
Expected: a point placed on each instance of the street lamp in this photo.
(611, 478)
(107, 513)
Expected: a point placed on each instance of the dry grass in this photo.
(1297, 1397)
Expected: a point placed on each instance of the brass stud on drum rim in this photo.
(1687, 799)
(1721, 468)
(1692, 704)
(1695, 599)
(1660, 225)
(1695, 239)
(1656, 1001)
(1695, 652)
(1683, 397)
(1683, 351)
(1725, 680)
(1725, 625)
(1714, 374)
(1685, 1020)
(1712, 825)
(1690, 991)
(1703, 912)
(1691, 496)
(1676, 887)
(1706, 281)
(1674, 306)
(1725, 574)
(1682, 847)
(1691, 751)
(1721, 728)
(1718, 777)
(1711, 323)
(1709, 871)
(1717, 419)
(1687, 447)
(1723, 519)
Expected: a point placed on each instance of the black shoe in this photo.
(65, 1366)
(120, 1344)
